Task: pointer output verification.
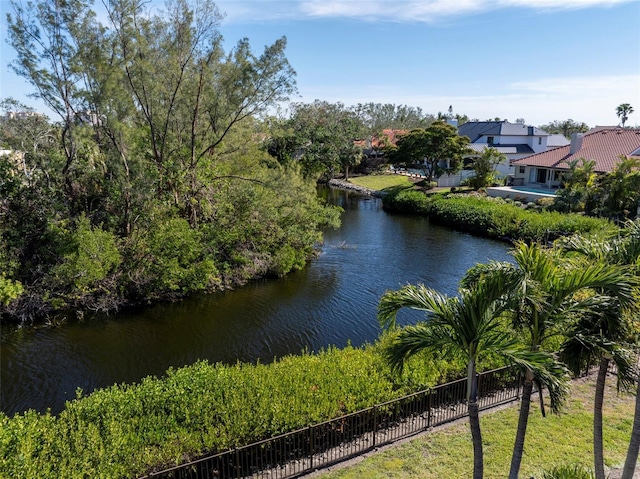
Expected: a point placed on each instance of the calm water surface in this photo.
(331, 302)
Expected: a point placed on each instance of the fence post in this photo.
(311, 447)
(237, 465)
(429, 407)
(375, 425)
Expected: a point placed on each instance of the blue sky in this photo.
(540, 60)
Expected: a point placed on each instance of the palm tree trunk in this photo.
(632, 453)
(474, 419)
(476, 437)
(523, 419)
(598, 455)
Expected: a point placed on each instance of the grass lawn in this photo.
(554, 440)
(382, 182)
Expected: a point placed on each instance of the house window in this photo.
(541, 176)
(490, 140)
(539, 140)
(521, 169)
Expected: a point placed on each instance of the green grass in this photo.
(551, 441)
(382, 182)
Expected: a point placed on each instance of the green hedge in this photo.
(127, 430)
(495, 218)
(406, 201)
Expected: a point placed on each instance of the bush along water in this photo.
(129, 430)
(495, 217)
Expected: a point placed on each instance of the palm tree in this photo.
(600, 336)
(623, 250)
(623, 111)
(634, 445)
(543, 304)
(467, 325)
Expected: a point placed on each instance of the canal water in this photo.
(331, 302)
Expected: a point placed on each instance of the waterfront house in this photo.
(603, 145)
(513, 140)
(540, 175)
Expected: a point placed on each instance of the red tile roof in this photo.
(603, 145)
(376, 142)
(394, 135)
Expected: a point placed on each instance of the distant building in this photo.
(18, 115)
(603, 145)
(89, 118)
(513, 140)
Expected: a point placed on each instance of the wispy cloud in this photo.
(588, 99)
(579, 86)
(427, 11)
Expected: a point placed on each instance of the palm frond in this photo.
(594, 249)
(422, 336)
(416, 297)
(498, 270)
(615, 280)
(548, 371)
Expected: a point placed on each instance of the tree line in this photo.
(153, 182)
(164, 171)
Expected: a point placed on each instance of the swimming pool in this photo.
(540, 191)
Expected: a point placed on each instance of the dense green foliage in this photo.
(153, 184)
(484, 168)
(125, 430)
(321, 137)
(436, 149)
(407, 201)
(377, 117)
(328, 139)
(614, 195)
(493, 217)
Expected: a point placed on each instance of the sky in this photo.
(540, 60)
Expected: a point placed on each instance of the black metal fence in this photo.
(305, 450)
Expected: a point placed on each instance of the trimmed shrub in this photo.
(406, 201)
(485, 217)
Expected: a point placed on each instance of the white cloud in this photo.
(387, 10)
(587, 99)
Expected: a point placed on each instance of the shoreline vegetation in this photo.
(133, 429)
(90, 268)
(128, 430)
(476, 213)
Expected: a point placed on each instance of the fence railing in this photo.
(305, 450)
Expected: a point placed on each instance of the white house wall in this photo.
(525, 178)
